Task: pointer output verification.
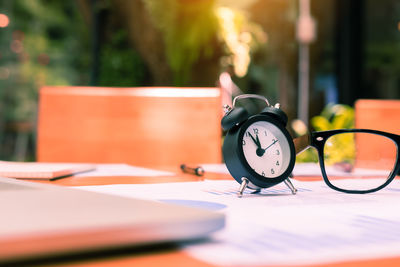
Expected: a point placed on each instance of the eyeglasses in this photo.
(355, 161)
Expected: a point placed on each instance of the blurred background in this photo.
(307, 55)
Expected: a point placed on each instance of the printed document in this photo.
(274, 227)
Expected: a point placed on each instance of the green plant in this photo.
(195, 30)
(121, 65)
(188, 30)
(339, 148)
(334, 116)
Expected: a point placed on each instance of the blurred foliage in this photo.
(201, 29)
(273, 68)
(120, 64)
(334, 116)
(339, 148)
(43, 45)
(240, 37)
(48, 43)
(188, 29)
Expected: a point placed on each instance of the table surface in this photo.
(167, 256)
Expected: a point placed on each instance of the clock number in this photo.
(274, 140)
(265, 133)
(277, 163)
(272, 171)
(277, 152)
(243, 142)
(263, 174)
(255, 131)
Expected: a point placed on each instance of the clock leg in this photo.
(243, 186)
(289, 184)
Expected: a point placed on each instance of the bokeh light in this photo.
(4, 73)
(17, 46)
(43, 59)
(4, 20)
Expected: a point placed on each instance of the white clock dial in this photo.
(266, 149)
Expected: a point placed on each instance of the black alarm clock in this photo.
(258, 150)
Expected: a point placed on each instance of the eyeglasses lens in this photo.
(359, 161)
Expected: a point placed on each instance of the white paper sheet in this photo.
(122, 170)
(275, 227)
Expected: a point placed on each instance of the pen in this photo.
(199, 171)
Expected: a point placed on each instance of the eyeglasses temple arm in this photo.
(301, 143)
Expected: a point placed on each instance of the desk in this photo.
(167, 256)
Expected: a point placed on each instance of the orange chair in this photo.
(151, 127)
(382, 115)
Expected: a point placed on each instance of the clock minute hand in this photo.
(265, 149)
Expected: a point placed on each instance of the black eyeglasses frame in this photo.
(318, 140)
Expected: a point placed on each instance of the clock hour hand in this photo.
(255, 140)
(258, 141)
(259, 150)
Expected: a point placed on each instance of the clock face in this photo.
(266, 149)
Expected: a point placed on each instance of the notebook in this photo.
(42, 220)
(41, 170)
